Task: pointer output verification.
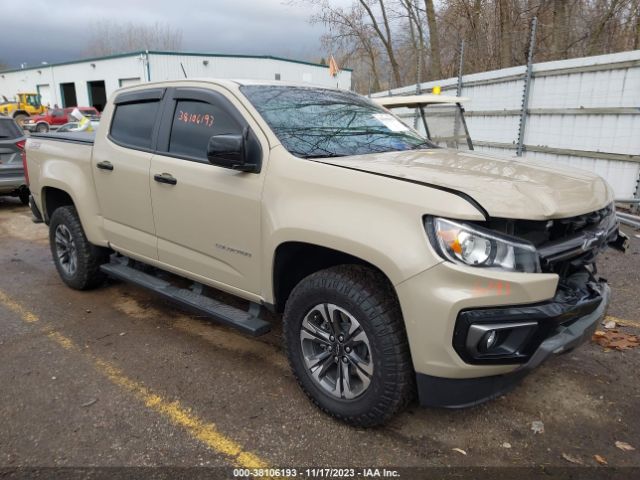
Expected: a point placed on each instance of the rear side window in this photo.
(194, 123)
(9, 128)
(133, 123)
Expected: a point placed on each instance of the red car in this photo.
(55, 118)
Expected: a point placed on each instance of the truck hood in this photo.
(504, 187)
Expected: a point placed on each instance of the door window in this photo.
(194, 122)
(133, 123)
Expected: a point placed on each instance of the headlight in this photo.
(477, 247)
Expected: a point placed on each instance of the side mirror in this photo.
(233, 151)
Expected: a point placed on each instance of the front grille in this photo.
(565, 245)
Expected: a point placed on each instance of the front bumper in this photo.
(572, 329)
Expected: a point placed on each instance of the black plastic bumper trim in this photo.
(467, 392)
(567, 306)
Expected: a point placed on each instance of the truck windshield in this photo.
(317, 123)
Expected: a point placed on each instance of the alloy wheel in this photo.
(66, 250)
(336, 351)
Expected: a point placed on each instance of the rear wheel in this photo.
(77, 261)
(347, 345)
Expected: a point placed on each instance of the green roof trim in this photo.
(160, 52)
(230, 55)
(73, 62)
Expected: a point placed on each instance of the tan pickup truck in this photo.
(398, 267)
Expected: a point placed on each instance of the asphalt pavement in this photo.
(118, 377)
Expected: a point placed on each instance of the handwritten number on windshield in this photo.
(195, 118)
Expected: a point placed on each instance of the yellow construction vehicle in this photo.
(27, 104)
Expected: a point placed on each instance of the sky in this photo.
(57, 30)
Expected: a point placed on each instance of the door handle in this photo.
(105, 165)
(165, 178)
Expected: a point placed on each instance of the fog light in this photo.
(490, 339)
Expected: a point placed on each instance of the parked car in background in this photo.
(71, 127)
(12, 177)
(55, 118)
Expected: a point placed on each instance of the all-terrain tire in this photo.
(87, 274)
(369, 297)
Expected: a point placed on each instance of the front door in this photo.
(121, 163)
(207, 217)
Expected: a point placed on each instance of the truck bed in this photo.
(75, 137)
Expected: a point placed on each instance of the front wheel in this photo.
(42, 128)
(347, 345)
(77, 261)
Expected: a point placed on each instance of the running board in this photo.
(246, 321)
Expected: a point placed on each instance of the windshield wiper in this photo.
(322, 155)
(423, 144)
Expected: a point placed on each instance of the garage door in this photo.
(126, 82)
(45, 95)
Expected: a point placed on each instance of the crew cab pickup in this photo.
(398, 267)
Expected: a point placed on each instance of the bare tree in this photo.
(384, 34)
(504, 14)
(394, 40)
(434, 40)
(108, 38)
(413, 16)
(352, 36)
(636, 39)
(560, 28)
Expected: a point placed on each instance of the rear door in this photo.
(121, 162)
(208, 221)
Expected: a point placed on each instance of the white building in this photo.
(89, 82)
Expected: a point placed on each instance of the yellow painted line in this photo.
(622, 321)
(25, 314)
(205, 432)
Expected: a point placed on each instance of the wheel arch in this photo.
(295, 260)
(52, 199)
(55, 194)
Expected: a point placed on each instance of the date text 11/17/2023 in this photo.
(316, 472)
